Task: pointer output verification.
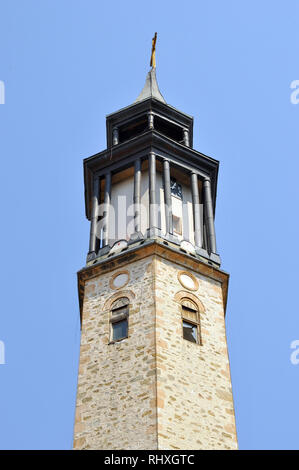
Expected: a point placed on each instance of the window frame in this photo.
(116, 322)
(117, 315)
(176, 189)
(185, 318)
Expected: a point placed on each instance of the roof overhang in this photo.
(138, 109)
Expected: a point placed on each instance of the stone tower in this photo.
(154, 369)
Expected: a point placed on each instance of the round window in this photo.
(120, 280)
(187, 280)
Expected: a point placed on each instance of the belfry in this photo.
(154, 369)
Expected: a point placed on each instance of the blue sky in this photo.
(65, 65)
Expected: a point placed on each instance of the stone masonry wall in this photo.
(153, 390)
(116, 397)
(194, 396)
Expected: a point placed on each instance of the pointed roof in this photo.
(150, 89)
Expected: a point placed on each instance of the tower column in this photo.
(186, 137)
(150, 119)
(152, 191)
(167, 197)
(94, 215)
(209, 216)
(107, 198)
(196, 210)
(115, 135)
(136, 200)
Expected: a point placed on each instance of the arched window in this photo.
(119, 319)
(190, 321)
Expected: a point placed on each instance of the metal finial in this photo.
(153, 56)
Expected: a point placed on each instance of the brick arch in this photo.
(121, 293)
(182, 294)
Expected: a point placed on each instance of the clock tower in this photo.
(154, 369)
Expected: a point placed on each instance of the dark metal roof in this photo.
(158, 107)
(151, 89)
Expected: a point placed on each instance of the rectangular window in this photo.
(120, 330)
(190, 331)
(177, 215)
(176, 188)
(177, 224)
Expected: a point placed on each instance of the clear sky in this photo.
(65, 65)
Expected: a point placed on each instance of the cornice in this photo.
(151, 248)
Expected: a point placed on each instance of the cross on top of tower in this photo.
(153, 56)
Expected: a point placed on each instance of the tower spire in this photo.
(151, 88)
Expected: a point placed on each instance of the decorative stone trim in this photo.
(121, 293)
(115, 275)
(187, 295)
(192, 278)
(120, 303)
(154, 248)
